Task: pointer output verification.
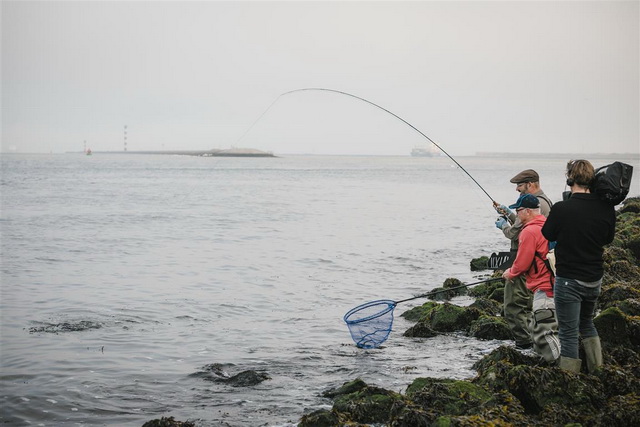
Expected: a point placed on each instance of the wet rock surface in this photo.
(168, 422)
(57, 328)
(514, 388)
(217, 372)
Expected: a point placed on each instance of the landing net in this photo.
(370, 323)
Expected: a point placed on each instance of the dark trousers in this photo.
(575, 308)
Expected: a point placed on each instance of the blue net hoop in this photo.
(370, 323)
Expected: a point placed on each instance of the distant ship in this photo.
(431, 151)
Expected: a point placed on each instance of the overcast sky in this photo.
(504, 76)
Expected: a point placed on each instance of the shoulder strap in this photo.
(547, 265)
(546, 199)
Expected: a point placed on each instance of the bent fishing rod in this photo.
(386, 111)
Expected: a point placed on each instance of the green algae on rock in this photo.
(478, 264)
(490, 328)
(450, 289)
(450, 318)
(368, 405)
(485, 290)
(417, 313)
(489, 306)
(452, 397)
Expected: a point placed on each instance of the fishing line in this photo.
(383, 109)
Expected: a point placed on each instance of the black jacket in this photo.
(581, 225)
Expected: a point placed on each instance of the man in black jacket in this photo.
(581, 226)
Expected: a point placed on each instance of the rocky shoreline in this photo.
(511, 388)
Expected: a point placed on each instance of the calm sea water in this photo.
(161, 265)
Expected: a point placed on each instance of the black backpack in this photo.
(612, 182)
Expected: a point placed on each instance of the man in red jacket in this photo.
(532, 251)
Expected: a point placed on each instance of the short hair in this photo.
(581, 172)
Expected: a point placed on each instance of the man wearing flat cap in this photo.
(517, 298)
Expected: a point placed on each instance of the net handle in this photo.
(495, 279)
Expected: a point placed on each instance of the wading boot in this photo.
(593, 352)
(570, 364)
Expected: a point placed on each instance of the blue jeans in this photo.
(575, 308)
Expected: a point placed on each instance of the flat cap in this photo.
(528, 175)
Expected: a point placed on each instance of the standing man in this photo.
(581, 225)
(517, 299)
(529, 262)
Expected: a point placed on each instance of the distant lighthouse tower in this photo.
(125, 137)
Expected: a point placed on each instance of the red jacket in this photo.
(531, 241)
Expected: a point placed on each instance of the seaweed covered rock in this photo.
(442, 318)
(617, 293)
(503, 355)
(618, 380)
(478, 264)
(490, 328)
(503, 410)
(447, 396)
(420, 330)
(615, 253)
(620, 411)
(488, 290)
(628, 232)
(346, 388)
(536, 386)
(616, 328)
(630, 204)
(449, 318)
(323, 418)
(621, 271)
(368, 405)
(451, 288)
(419, 312)
(624, 357)
(488, 306)
(630, 307)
